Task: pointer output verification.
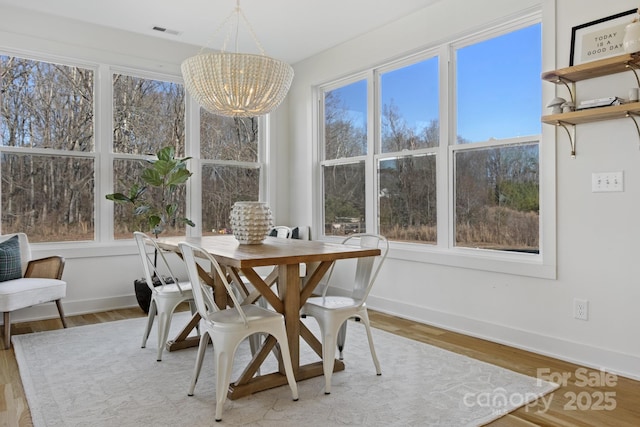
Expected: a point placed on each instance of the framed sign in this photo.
(599, 39)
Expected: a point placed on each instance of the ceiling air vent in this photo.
(167, 31)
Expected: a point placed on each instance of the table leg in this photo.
(182, 340)
(289, 290)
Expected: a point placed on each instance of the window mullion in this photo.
(373, 148)
(192, 149)
(104, 143)
(445, 182)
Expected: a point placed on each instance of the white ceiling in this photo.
(290, 30)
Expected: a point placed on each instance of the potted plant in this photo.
(157, 209)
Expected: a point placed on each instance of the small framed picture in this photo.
(599, 39)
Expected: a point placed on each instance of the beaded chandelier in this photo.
(237, 84)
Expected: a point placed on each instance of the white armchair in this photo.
(26, 282)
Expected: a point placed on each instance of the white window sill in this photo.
(521, 264)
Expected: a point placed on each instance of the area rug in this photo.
(97, 375)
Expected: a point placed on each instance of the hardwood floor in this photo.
(589, 398)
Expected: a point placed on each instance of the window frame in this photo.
(437, 151)
(541, 265)
(94, 155)
(108, 156)
(370, 211)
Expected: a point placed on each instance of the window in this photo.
(345, 150)
(47, 162)
(409, 138)
(389, 166)
(496, 193)
(497, 184)
(230, 167)
(148, 114)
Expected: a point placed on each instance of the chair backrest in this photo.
(301, 232)
(281, 231)
(25, 248)
(154, 264)
(202, 292)
(365, 275)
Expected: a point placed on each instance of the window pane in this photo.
(407, 199)
(410, 107)
(222, 186)
(345, 121)
(228, 138)
(497, 204)
(344, 199)
(147, 115)
(126, 222)
(499, 92)
(45, 105)
(51, 198)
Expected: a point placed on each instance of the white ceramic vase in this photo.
(631, 40)
(250, 222)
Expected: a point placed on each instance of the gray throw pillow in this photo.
(10, 263)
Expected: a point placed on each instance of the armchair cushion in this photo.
(10, 261)
(25, 292)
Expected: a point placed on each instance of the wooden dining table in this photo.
(290, 294)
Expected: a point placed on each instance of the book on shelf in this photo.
(599, 102)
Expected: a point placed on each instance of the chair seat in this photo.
(172, 288)
(228, 319)
(333, 302)
(25, 292)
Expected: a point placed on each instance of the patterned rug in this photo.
(98, 375)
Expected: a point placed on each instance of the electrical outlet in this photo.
(607, 181)
(581, 309)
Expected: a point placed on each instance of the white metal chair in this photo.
(228, 327)
(166, 297)
(332, 312)
(281, 231)
(26, 281)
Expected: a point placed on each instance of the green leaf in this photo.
(118, 198)
(142, 210)
(164, 167)
(154, 220)
(179, 177)
(136, 192)
(166, 153)
(171, 209)
(152, 177)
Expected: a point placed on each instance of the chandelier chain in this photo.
(238, 13)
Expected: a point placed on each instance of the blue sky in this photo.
(498, 84)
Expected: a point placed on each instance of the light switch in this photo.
(607, 181)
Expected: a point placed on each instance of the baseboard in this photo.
(73, 308)
(578, 353)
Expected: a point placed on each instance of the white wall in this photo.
(597, 233)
